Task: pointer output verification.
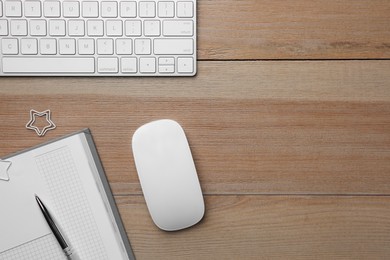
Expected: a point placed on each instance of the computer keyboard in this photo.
(97, 38)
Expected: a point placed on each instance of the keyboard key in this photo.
(166, 65)
(142, 46)
(3, 27)
(173, 46)
(147, 65)
(133, 28)
(185, 9)
(90, 9)
(166, 9)
(178, 28)
(67, 46)
(166, 61)
(71, 9)
(107, 65)
(48, 46)
(129, 65)
(19, 27)
(29, 46)
(76, 28)
(13, 8)
(128, 9)
(95, 28)
(38, 27)
(105, 46)
(9, 46)
(152, 28)
(124, 46)
(51, 9)
(147, 9)
(109, 9)
(57, 27)
(48, 65)
(114, 28)
(86, 46)
(1, 8)
(185, 65)
(166, 69)
(32, 9)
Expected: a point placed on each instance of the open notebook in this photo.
(68, 176)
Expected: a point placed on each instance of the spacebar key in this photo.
(48, 65)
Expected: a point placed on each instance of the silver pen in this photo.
(69, 252)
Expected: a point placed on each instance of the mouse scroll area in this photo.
(167, 174)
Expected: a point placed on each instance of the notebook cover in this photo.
(103, 179)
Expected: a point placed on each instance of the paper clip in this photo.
(33, 115)
(4, 166)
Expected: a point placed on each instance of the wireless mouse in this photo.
(168, 175)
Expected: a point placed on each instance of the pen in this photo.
(70, 254)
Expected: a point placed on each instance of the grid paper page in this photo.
(43, 248)
(70, 202)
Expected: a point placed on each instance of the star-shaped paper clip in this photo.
(4, 166)
(33, 115)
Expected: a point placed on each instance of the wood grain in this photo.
(330, 136)
(309, 29)
(268, 227)
(235, 80)
(293, 153)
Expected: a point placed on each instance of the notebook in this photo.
(68, 176)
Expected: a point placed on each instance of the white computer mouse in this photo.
(168, 175)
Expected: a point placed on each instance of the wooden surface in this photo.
(288, 120)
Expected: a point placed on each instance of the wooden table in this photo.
(288, 120)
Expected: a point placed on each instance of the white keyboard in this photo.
(97, 38)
